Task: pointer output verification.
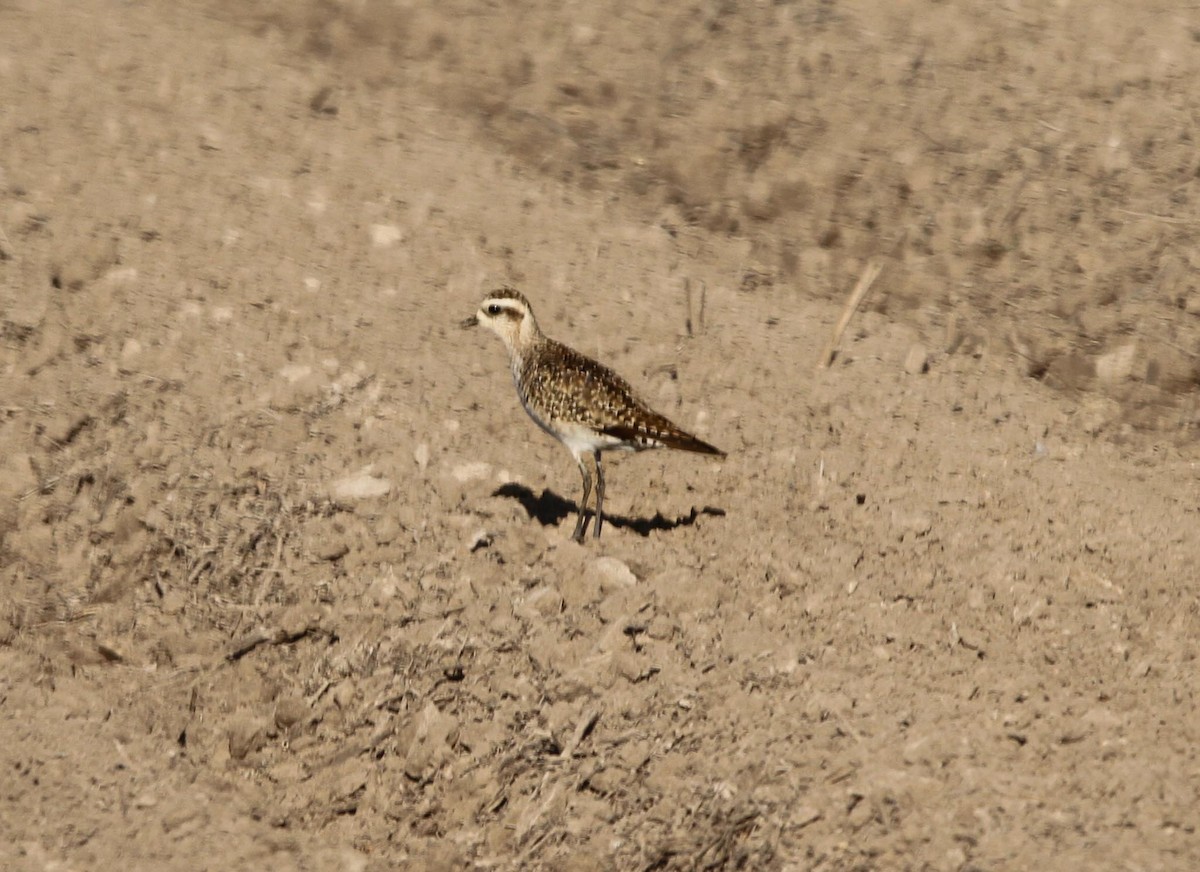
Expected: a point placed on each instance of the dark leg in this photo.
(587, 490)
(599, 493)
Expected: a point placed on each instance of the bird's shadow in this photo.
(549, 509)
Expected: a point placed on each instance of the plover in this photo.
(583, 404)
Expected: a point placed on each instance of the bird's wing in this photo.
(592, 394)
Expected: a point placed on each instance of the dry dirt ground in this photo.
(285, 575)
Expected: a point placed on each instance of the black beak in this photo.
(470, 322)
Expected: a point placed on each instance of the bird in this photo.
(577, 400)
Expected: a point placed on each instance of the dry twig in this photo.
(242, 646)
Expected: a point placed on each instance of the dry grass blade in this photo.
(7, 252)
(869, 274)
(721, 852)
(1166, 219)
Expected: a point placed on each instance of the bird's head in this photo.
(506, 313)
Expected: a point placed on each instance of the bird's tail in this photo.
(687, 442)
(663, 433)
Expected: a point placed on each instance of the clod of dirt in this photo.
(246, 735)
(681, 589)
(1117, 365)
(85, 262)
(322, 101)
(612, 574)
(289, 711)
(632, 667)
(331, 551)
(300, 619)
(542, 602)
(63, 428)
(130, 349)
(430, 748)
(387, 529)
(911, 525)
(479, 540)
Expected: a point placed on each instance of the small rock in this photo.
(349, 783)
(916, 361)
(680, 589)
(182, 819)
(421, 456)
(622, 601)
(289, 711)
(481, 739)
(131, 349)
(84, 262)
(300, 619)
(475, 471)
(344, 694)
(322, 101)
(110, 653)
(385, 235)
(956, 858)
(156, 519)
(912, 525)
(582, 34)
(608, 781)
(331, 551)
(120, 277)
(210, 137)
(295, 372)
(1116, 365)
(387, 529)
(360, 485)
(439, 855)
(1104, 718)
(173, 602)
(246, 735)
(382, 590)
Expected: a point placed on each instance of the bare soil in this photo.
(286, 579)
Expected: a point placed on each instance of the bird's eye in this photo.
(494, 309)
